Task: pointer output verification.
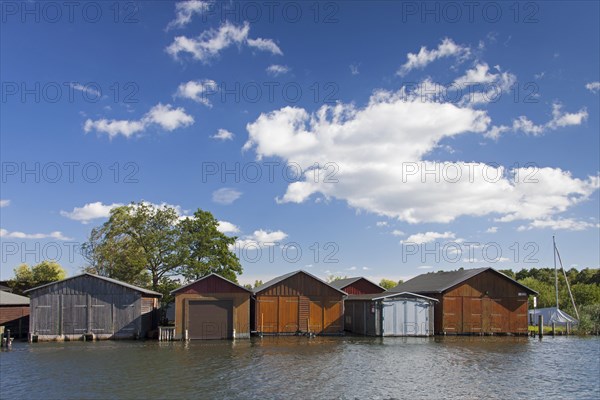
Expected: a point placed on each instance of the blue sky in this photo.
(442, 136)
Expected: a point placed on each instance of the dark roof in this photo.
(386, 295)
(11, 299)
(342, 283)
(207, 276)
(127, 285)
(281, 278)
(439, 282)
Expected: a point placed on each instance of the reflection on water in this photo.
(320, 368)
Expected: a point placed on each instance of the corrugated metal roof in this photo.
(281, 278)
(381, 296)
(438, 282)
(11, 299)
(207, 276)
(127, 285)
(342, 283)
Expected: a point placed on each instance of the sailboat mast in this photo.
(555, 270)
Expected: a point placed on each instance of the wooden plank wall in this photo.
(88, 305)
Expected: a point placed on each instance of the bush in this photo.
(589, 320)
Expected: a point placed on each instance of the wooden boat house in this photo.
(389, 314)
(357, 285)
(212, 308)
(473, 301)
(14, 313)
(91, 306)
(298, 302)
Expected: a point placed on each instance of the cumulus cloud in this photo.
(447, 48)
(428, 237)
(381, 223)
(225, 195)
(389, 180)
(164, 116)
(569, 224)
(276, 69)
(261, 238)
(4, 203)
(211, 42)
(227, 227)
(185, 10)
(593, 87)
(223, 134)
(493, 229)
(197, 91)
(396, 232)
(90, 211)
(559, 119)
(57, 235)
(482, 86)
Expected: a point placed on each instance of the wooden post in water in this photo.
(262, 322)
(553, 328)
(541, 326)
(568, 328)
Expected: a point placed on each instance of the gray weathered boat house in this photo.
(91, 306)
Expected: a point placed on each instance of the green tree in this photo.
(40, 274)
(148, 244)
(333, 278)
(388, 284)
(207, 250)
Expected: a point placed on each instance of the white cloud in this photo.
(424, 267)
(114, 127)
(428, 237)
(366, 268)
(381, 223)
(165, 116)
(197, 91)
(261, 238)
(225, 195)
(210, 42)
(569, 224)
(559, 120)
(481, 86)
(223, 134)
(20, 235)
(169, 118)
(445, 49)
(493, 229)
(4, 203)
(227, 227)
(90, 211)
(88, 89)
(276, 69)
(265, 45)
(184, 10)
(593, 87)
(496, 131)
(399, 132)
(396, 232)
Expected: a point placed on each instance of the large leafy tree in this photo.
(145, 243)
(28, 277)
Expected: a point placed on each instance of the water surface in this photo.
(318, 368)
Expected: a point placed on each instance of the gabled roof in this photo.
(281, 278)
(206, 277)
(342, 283)
(11, 299)
(386, 295)
(127, 285)
(439, 282)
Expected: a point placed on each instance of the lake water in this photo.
(317, 368)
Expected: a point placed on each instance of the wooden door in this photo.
(333, 314)
(452, 318)
(288, 314)
(315, 319)
(267, 315)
